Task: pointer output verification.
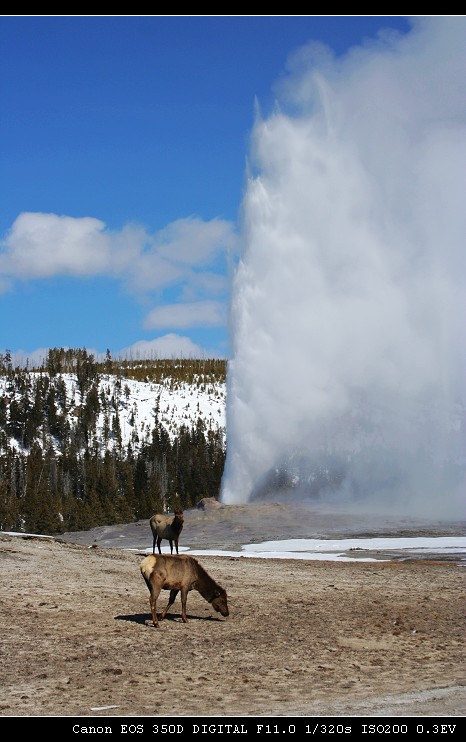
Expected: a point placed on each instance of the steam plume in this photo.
(348, 313)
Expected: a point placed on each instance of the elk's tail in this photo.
(147, 566)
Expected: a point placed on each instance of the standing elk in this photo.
(166, 526)
(180, 573)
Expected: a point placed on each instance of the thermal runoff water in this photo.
(348, 372)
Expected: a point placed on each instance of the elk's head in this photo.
(220, 602)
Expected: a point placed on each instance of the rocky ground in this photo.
(303, 638)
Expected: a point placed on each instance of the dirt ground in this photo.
(303, 638)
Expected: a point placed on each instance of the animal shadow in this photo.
(134, 617)
(141, 618)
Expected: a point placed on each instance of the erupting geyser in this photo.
(348, 313)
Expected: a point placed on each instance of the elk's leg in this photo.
(176, 545)
(159, 541)
(171, 545)
(154, 594)
(171, 600)
(184, 599)
(153, 545)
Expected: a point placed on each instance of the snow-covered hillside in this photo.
(175, 404)
(136, 404)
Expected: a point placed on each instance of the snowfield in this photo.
(139, 403)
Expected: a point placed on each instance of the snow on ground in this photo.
(326, 549)
(337, 549)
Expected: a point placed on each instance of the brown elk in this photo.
(180, 574)
(166, 526)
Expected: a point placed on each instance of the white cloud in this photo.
(166, 346)
(193, 314)
(43, 245)
(204, 283)
(34, 359)
(193, 241)
(188, 256)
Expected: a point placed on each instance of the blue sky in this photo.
(124, 153)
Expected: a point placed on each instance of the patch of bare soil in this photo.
(304, 638)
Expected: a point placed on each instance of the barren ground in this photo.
(304, 638)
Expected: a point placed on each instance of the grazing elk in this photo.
(166, 526)
(180, 574)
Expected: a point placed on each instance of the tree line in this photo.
(60, 471)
